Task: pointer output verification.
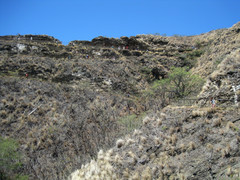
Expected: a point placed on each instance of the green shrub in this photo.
(198, 44)
(181, 82)
(9, 159)
(196, 53)
(131, 122)
(146, 70)
(189, 59)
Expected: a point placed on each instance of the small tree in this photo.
(182, 82)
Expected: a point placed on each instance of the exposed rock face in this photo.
(123, 42)
(30, 37)
(65, 103)
(40, 45)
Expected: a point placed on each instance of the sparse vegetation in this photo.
(131, 122)
(79, 100)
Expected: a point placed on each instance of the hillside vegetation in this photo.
(102, 105)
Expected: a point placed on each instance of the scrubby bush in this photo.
(9, 159)
(181, 82)
(190, 58)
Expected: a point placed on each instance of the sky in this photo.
(69, 20)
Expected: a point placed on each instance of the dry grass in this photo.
(77, 117)
(231, 126)
(217, 122)
(191, 146)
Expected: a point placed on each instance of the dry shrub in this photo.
(4, 101)
(146, 120)
(136, 176)
(211, 110)
(210, 146)
(137, 132)
(207, 121)
(163, 116)
(133, 157)
(182, 147)
(147, 175)
(229, 172)
(129, 141)
(157, 141)
(198, 113)
(143, 140)
(171, 130)
(226, 152)
(159, 122)
(174, 139)
(231, 125)
(191, 146)
(217, 122)
(3, 114)
(120, 143)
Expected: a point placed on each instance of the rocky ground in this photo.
(178, 143)
(184, 142)
(80, 98)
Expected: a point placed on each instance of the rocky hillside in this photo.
(179, 143)
(63, 104)
(185, 142)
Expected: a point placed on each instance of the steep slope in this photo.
(185, 142)
(63, 103)
(220, 83)
(219, 44)
(179, 143)
(78, 99)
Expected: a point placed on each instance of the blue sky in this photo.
(69, 20)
